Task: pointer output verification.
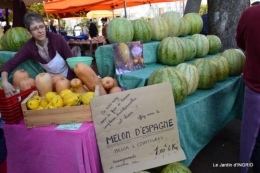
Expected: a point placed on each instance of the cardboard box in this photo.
(47, 117)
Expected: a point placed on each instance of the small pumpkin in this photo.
(87, 75)
(77, 86)
(115, 82)
(18, 76)
(55, 78)
(61, 84)
(115, 89)
(26, 84)
(102, 90)
(107, 82)
(43, 83)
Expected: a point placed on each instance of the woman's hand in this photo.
(8, 88)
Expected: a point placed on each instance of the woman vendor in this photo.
(50, 50)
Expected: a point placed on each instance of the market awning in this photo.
(101, 14)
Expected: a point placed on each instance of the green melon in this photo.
(175, 77)
(173, 19)
(190, 48)
(223, 67)
(196, 22)
(14, 39)
(192, 75)
(171, 51)
(214, 44)
(208, 73)
(120, 30)
(1, 62)
(160, 28)
(202, 45)
(176, 167)
(142, 30)
(236, 61)
(184, 27)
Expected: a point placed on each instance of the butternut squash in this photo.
(18, 76)
(61, 84)
(77, 86)
(107, 82)
(26, 84)
(115, 90)
(43, 83)
(87, 75)
(55, 78)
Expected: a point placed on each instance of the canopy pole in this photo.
(125, 9)
(113, 14)
(48, 22)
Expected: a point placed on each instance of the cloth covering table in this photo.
(201, 115)
(46, 150)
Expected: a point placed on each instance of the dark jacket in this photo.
(3, 150)
(93, 32)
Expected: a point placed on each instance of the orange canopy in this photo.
(81, 5)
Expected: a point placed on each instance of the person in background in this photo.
(248, 39)
(48, 49)
(93, 32)
(85, 29)
(205, 24)
(63, 32)
(77, 30)
(52, 27)
(104, 28)
(3, 149)
(6, 27)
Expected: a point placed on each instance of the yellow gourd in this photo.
(71, 99)
(57, 101)
(86, 98)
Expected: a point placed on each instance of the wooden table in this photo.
(87, 47)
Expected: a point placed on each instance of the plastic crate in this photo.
(10, 108)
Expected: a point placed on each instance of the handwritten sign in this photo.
(137, 129)
(70, 126)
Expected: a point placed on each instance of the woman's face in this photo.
(38, 30)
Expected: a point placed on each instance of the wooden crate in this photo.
(47, 117)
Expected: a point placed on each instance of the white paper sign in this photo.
(71, 126)
(137, 129)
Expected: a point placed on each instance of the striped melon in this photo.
(142, 30)
(190, 48)
(223, 67)
(175, 77)
(192, 75)
(236, 61)
(202, 45)
(196, 22)
(160, 28)
(184, 27)
(1, 62)
(176, 167)
(171, 51)
(120, 30)
(14, 39)
(173, 20)
(208, 73)
(214, 44)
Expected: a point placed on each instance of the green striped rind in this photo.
(192, 75)
(202, 45)
(14, 39)
(214, 44)
(190, 48)
(171, 51)
(184, 27)
(160, 28)
(142, 30)
(236, 61)
(120, 30)
(176, 168)
(175, 77)
(196, 22)
(223, 67)
(173, 19)
(208, 73)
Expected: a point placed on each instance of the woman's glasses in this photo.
(41, 27)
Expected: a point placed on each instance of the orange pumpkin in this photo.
(55, 78)
(18, 76)
(61, 84)
(115, 89)
(43, 83)
(107, 82)
(26, 83)
(87, 75)
(77, 86)
(115, 82)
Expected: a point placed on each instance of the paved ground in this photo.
(224, 148)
